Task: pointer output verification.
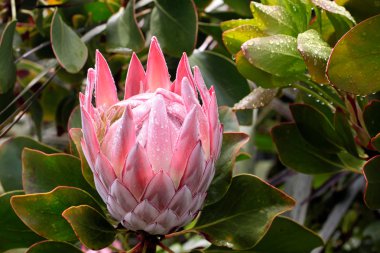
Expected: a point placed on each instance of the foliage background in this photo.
(302, 77)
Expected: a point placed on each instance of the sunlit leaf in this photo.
(354, 63)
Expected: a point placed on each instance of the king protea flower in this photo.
(153, 153)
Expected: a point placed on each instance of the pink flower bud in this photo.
(153, 153)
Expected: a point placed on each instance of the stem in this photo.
(182, 232)
(322, 99)
(13, 9)
(135, 249)
(164, 247)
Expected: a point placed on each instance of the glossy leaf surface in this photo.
(240, 223)
(89, 225)
(42, 212)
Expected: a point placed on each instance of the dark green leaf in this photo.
(123, 31)
(361, 9)
(344, 132)
(175, 26)
(285, 236)
(7, 65)
(13, 233)
(275, 54)
(231, 145)
(43, 172)
(240, 6)
(221, 73)
(68, 48)
(321, 135)
(375, 141)
(240, 222)
(10, 160)
(315, 53)
(372, 175)
(92, 229)
(371, 117)
(354, 61)
(229, 120)
(76, 135)
(53, 247)
(42, 212)
(299, 155)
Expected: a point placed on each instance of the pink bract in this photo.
(153, 153)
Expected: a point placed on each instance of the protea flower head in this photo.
(153, 153)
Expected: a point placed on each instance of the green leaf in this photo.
(68, 48)
(275, 54)
(375, 142)
(371, 117)
(372, 175)
(332, 7)
(361, 9)
(231, 145)
(89, 225)
(123, 31)
(53, 247)
(10, 160)
(13, 233)
(273, 19)
(321, 135)
(299, 155)
(221, 72)
(234, 23)
(7, 65)
(76, 135)
(315, 53)
(258, 76)
(175, 26)
(234, 38)
(229, 120)
(43, 172)
(42, 212)
(98, 11)
(299, 10)
(240, 222)
(354, 62)
(344, 132)
(285, 236)
(240, 6)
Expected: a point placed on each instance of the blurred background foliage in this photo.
(300, 77)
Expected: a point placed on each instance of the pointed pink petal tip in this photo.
(157, 74)
(105, 89)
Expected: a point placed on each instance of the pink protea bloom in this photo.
(152, 153)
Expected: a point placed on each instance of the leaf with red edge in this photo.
(42, 212)
(243, 216)
(231, 145)
(53, 247)
(354, 62)
(89, 225)
(70, 51)
(371, 117)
